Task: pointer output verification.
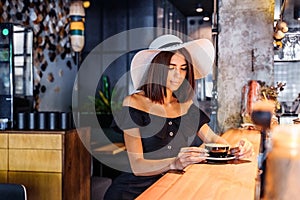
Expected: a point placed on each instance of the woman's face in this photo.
(177, 70)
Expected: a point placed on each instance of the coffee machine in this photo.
(16, 71)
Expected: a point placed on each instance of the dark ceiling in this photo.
(188, 7)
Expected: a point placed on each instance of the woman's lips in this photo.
(175, 82)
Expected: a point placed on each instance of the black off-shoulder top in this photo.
(162, 137)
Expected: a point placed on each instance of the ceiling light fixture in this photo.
(86, 4)
(206, 17)
(199, 8)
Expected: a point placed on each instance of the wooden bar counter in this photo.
(235, 179)
(52, 165)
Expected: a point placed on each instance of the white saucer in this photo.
(228, 157)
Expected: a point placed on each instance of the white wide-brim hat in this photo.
(202, 54)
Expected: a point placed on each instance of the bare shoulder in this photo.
(185, 106)
(135, 100)
(127, 100)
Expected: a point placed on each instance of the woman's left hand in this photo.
(246, 149)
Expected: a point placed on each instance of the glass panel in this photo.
(287, 72)
(18, 39)
(29, 35)
(4, 79)
(19, 61)
(19, 82)
(23, 75)
(28, 75)
(160, 19)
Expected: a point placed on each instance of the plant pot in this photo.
(105, 120)
(88, 119)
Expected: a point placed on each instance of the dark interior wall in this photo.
(54, 60)
(106, 19)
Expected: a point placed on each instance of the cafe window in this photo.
(286, 66)
(288, 72)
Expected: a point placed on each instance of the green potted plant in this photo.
(102, 106)
(104, 102)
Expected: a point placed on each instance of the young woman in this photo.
(160, 120)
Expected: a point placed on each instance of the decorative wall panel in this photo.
(53, 57)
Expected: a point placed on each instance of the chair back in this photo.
(10, 191)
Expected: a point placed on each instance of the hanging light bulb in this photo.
(86, 4)
(199, 8)
(278, 35)
(206, 17)
(281, 25)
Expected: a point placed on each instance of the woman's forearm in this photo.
(145, 167)
(139, 165)
(207, 135)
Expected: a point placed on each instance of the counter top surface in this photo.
(58, 131)
(232, 180)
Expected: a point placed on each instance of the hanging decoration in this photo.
(49, 22)
(77, 15)
(280, 28)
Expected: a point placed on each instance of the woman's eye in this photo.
(171, 67)
(184, 68)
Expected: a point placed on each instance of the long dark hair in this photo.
(155, 78)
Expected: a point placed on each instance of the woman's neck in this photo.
(169, 98)
(171, 107)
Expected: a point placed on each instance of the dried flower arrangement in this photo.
(256, 91)
(268, 92)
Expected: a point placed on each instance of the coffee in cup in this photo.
(217, 150)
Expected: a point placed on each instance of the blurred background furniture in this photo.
(99, 186)
(10, 191)
(53, 165)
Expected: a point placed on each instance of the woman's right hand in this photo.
(188, 156)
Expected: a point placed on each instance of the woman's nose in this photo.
(177, 71)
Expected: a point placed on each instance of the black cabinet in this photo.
(16, 71)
